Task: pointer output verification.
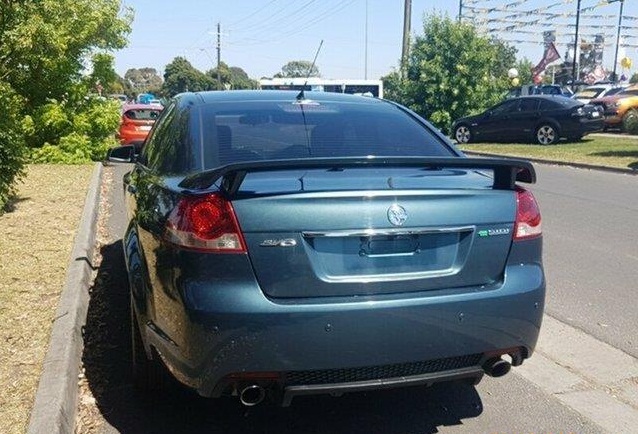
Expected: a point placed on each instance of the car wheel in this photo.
(546, 134)
(630, 120)
(463, 134)
(148, 374)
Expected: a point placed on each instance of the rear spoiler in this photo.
(506, 172)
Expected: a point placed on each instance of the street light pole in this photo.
(622, 3)
(575, 68)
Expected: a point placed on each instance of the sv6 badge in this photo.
(284, 242)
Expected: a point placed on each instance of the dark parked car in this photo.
(283, 245)
(541, 119)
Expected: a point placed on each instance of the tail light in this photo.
(528, 216)
(205, 223)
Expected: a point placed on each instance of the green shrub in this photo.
(12, 148)
(50, 122)
(77, 134)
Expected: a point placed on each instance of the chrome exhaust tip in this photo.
(252, 395)
(496, 367)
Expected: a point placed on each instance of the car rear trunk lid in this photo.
(359, 232)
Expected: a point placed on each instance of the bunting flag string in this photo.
(513, 30)
(523, 41)
(543, 23)
(539, 12)
(514, 21)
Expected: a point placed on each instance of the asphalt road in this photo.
(590, 245)
(590, 235)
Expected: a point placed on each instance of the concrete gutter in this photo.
(558, 163)
(55, 404)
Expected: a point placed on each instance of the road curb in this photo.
(558, 163)
(55, 403)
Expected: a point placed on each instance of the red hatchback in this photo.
(137, 120)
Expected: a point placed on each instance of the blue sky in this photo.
(260, 36)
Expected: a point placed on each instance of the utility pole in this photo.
(219, 55)
(575, 68)
(622, 3)
(460, 10)
(407, 14)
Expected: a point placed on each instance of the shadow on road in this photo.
(107, 358)
(620, 154)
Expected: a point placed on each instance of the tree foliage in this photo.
(232, 77)
(46, 46)
(45, 43)
(634, 78)
(11, 141)
(180, 76)
(452, 71)
(144, 80)
(524, 67)
(298, 68)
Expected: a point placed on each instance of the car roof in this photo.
(141, 106)
(556, 98)
(272, 95)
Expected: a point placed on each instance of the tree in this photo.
(452, 71)
(103, 77)
(298, 68)
(44, 48)
(181, 76)
(634, 78)
(144, 80)
(45, 43)
(232, 77)
(524, 67)
(241, 80)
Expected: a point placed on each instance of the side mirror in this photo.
(122, 154)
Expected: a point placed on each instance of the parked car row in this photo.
(540, 118)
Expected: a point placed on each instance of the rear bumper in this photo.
(235, 333)
(130, 137)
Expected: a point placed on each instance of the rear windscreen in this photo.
(142, 114)
(267, 130)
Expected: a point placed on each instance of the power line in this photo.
(252, 14)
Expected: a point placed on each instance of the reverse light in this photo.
(205, 223)
(528, 216)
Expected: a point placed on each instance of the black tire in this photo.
(148, 374)
(463, 134)
(629, 121)
(546, 134)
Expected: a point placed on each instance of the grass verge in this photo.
(37, 238)
(597, 150)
